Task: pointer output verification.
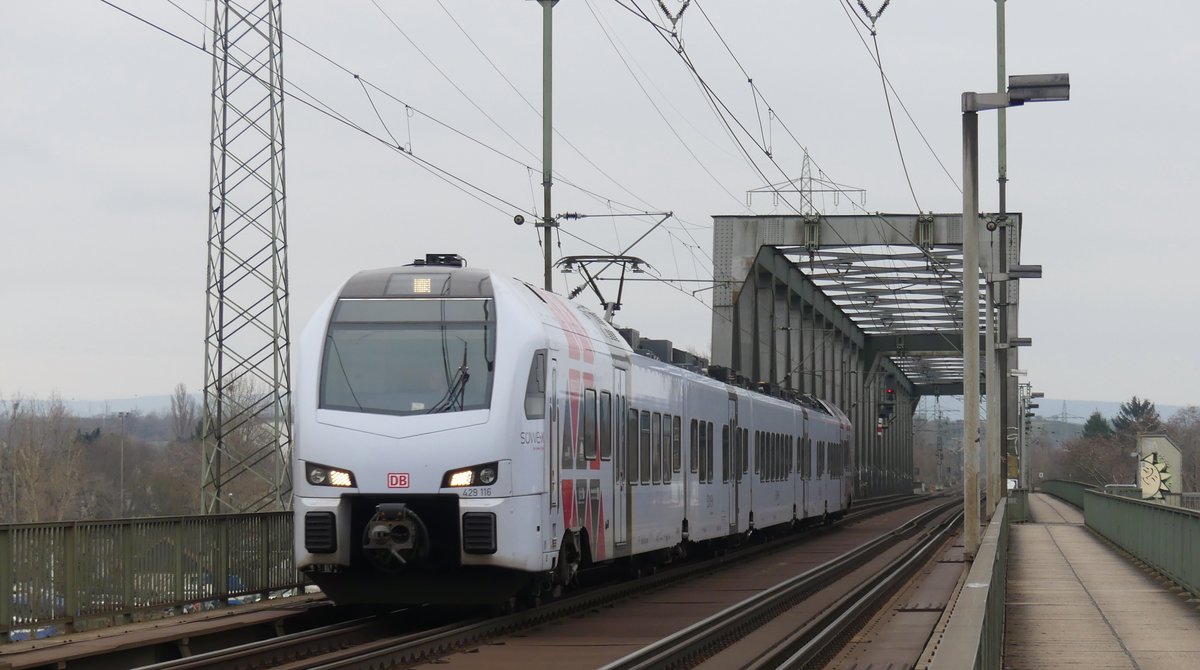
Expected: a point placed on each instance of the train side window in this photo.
(589, 424)
(736, 459)
(631, 446)
(820, 458)
(644, 446)
(708, 448)
(703, 436)
(676, 444)
(779, 457)
(745, 451)
(806, 459)
(656, 449)
(725, 452)
(758, 452)
(667, 438)
(666, 449)
(568, 458)
(693, 463)
(791, 440)
(606, 435)
(799, 457)
(535, 387)
(772, 459)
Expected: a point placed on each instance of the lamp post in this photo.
(1021, 89)
(121, 506)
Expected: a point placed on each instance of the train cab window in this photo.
(666, 449)
(631, 445)
(725, 453)
(693, 441)
(644, 447)
(676, 444)
(588, 434)
(406, 356)
(656, 449)
(703, 436)
(708, 449)
(606, 434)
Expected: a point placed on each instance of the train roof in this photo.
(416, 281)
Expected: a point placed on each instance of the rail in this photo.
(1166, 538)
(70, 576)
(974, 636)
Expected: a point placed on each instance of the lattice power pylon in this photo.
(247, 430)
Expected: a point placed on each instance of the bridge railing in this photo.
(974, 637)
(1069, 491)
(1164, 537)
(87, 574)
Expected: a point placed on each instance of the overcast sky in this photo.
(104, 153)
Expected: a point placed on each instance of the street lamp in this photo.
(121, 508)
(1021, 89)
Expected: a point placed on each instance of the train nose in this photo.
(395, 537)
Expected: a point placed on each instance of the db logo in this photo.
(397, 480)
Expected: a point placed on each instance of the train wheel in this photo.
(569, 557)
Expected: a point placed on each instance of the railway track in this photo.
(375, 642)
(805, 646)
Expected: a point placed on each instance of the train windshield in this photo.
(409, 356)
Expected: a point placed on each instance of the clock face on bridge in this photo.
(1153, 477)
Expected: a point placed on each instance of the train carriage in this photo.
(462, 436)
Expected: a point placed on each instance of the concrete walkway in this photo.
(1075, 602)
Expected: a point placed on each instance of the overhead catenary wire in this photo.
(677, 46)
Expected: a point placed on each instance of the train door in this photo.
(735, 474)
(552, 419)
(620, 483)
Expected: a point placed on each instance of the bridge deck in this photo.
(1074, 601)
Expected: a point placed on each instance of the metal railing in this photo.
(1069, 491)
(974, 636)
(1164, 537)
(1184, 500)
(78, 575)
(1018, 505)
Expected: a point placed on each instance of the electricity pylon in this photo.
(247, 432)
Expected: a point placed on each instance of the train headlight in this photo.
(476, 475)
(323, 475)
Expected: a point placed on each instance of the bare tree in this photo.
(1184, 429)
(183, 414)
(43, 461)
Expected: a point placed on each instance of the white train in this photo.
(461, 436)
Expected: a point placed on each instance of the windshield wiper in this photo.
(458, 387)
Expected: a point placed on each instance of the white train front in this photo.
(461, 437)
